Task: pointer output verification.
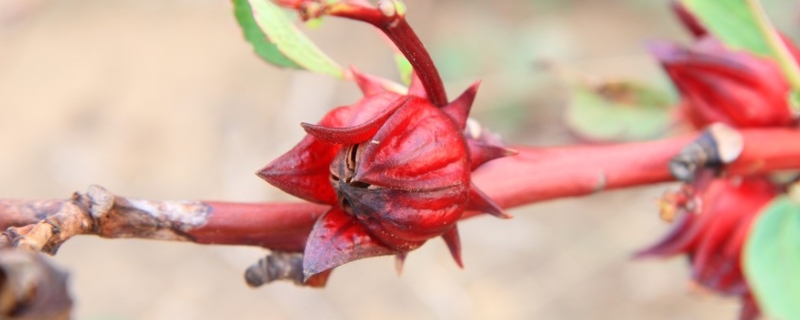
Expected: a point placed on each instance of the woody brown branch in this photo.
(101, 213)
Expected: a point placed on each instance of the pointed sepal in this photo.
(338, 238)
(459, 108)
(355, 134)
(481, 152)
(678, 240)
(304, 171)
(369, 85)
(479, 201)
(454, 244)
(399, 261)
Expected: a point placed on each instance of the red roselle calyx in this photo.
(720, 85)
(714, 218)
(394, 168)
(715, 214)
(699, 31)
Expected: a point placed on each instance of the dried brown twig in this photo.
(100, 213)
(43, 225)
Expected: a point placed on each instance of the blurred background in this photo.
(163, 99)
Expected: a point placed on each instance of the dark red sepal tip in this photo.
(338, 238)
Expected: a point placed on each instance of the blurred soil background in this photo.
(163, 99)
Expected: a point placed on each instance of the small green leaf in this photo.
(404, 68)
(253, 34)
(732, 22)
(278, 41)
(618, 112)
(290, 41)
(772, 259)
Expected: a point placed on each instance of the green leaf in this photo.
(732, 22)
(253, 34)
(290, 41)
(277, 39)
(618, 112)
(404, 68)
(772, 259)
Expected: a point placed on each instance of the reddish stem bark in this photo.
(538, 174)
(535, 174)
(278, 226)
(768, 150)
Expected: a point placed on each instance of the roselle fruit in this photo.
(713, 223)
(395, 169)
(720, 85)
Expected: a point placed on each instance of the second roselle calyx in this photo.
(395, 169)
(720, 85)
(715, 211)
(713, 222)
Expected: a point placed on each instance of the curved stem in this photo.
(392, 22)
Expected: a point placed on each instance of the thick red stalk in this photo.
(768, 150)
(536, 174)
(278, 226)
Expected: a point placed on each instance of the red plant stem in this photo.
(278, 226)
(768, 150)
(409, 44)
(535, 174)
(538, 174)
(403, 36)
